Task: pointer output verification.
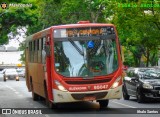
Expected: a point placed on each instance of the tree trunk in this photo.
(147, 57)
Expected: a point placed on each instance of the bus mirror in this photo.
(47, 50)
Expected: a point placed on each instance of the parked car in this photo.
(11, 74)
(21, 72)
(142, 84)
(2, 71)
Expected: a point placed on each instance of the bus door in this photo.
(47, 68)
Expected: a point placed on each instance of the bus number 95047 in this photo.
(100, 87)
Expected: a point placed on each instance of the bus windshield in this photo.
(85, 57)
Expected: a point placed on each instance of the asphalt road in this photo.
(14, 94)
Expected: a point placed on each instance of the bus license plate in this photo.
(89, 98)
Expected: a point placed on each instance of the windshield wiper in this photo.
(76, 47)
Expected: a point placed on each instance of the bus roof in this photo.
(47, 31)
(81, 25)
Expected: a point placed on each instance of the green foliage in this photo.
(139, 30)
(92, 10)
(138, 27)
(14, 17)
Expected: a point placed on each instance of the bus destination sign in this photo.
(83, 32)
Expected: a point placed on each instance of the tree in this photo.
(16, 17)
(92, 10)
(138, 27)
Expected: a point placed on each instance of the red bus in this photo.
(75, 62)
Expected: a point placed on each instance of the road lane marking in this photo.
(20, 95)
(124, 104)
(16, 92)
(10, 88)
(47, 116)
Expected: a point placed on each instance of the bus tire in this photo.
(49, 103)
(34, 95)
(103, 103)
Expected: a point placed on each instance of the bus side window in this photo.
(39, 50)
(32, 56)
(43, 51)
(35, 50)
(30, 51)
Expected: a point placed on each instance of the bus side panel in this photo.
(41, 78)
(33, 74)
(26, 69)
(36, 72)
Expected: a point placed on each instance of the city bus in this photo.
(73, 63)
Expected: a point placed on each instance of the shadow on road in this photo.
(147, 101)
(84, 108)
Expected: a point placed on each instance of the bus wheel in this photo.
(34, 95)
(103, 103)
(51, 105)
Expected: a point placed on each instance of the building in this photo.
(10, 58)
(10, 55)
(2, 48)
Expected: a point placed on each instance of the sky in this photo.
(15, 41)
(11, 58)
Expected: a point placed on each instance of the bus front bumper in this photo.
(62, 97)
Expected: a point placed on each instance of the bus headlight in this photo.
(60, 86)
(116, 83)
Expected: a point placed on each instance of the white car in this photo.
(11, 74)
(21, 72)
(2, 72)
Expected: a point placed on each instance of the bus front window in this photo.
(85, 58)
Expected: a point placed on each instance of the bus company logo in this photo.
(6, 111)
(4, 5)
(77, 88)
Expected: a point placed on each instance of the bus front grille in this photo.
(88, 81)
(157, 87)
(98, 95)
